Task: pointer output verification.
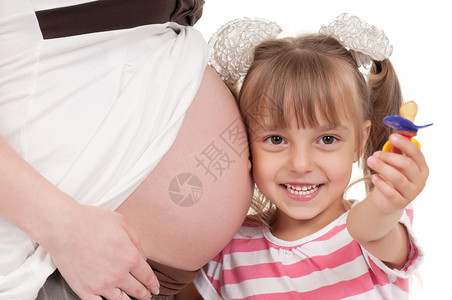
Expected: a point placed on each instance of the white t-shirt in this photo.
(93, 113)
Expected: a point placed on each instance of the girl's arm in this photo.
(374, 222)
(93, 248)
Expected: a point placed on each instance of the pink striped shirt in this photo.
(328, 264)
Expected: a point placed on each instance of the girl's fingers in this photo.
(402, 164)
(396, 182)
(411, 163)
(386, 197)
(410, 150)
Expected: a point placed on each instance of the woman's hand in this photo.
(400, 178)
(99, 254)
(96, 251)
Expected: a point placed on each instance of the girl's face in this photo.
(304, 172)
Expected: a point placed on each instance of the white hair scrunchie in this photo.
(366, 40)
(233, 45)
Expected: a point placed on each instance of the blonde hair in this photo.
(311, 78)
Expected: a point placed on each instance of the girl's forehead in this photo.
(268, 124)
(292, 113)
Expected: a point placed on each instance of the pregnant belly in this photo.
(195, 200)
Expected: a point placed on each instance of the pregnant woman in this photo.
(120, 148)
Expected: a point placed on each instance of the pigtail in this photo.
(385, 99)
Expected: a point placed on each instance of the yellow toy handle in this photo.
(388, 146)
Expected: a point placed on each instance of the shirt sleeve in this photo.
(205, 287)
(210, 280)
(414, 258)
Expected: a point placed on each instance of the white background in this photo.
(421, 33)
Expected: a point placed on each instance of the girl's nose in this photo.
(300, 160)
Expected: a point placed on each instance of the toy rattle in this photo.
(404, 124)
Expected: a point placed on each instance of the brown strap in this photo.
(187, 12)
(103, 15)
(171, 280)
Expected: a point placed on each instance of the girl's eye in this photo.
(327, 139)
(275, 140)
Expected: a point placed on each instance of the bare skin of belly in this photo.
(195, 200)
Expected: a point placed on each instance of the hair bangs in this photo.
(305, 87)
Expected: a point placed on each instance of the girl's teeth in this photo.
(305, 190)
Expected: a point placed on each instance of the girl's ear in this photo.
(364, 137)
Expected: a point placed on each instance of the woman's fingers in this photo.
(141, 270)
(135, 289)
(102, 255)
(117, 294)
(148, 280)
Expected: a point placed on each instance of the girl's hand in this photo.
(400, 177)
(99, 254)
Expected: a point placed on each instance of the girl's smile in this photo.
(302, 192)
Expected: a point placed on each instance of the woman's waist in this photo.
(77, 17)
(15, 247)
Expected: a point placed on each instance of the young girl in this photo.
(310, 114)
